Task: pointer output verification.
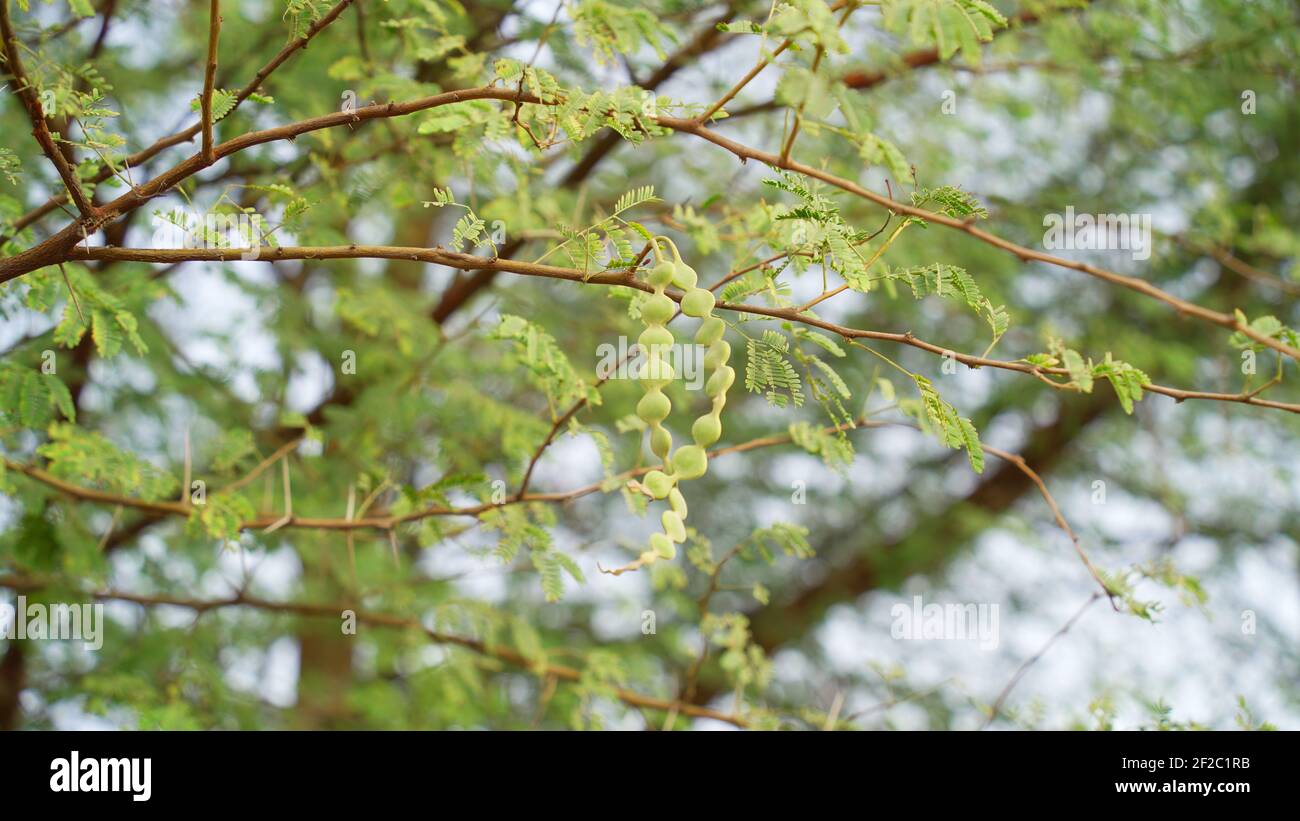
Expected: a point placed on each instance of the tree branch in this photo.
(627, 279)
(146, 154)
(40, 129)
(210, 78)
(385, 620)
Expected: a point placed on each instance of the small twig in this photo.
(1020, 672)
(210, 79)
(288, 501)
(352, 550)
(185, 485)
(262, 466)
(72, 292)
(108, 532)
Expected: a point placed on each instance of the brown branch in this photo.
(672, 707)
(40, 129)
(1024, 668)
(1141, 286)
(625, 278)
(865, 79)
(387, 523)
(386, 620)
(602, 144)
(1018, 462)
(144, 155)
(927, 57)
(60, 245)
(210, 78)
(1245, 269)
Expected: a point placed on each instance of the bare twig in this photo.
(1029, 662)
(210, 78)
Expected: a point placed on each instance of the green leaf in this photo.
(223, 102)
(106, 333)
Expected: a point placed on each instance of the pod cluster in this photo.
(688, 461)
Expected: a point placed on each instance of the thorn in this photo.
(76, 303)
(185, 486)
(352, 551)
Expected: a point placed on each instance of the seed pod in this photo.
(690, 462)
(673, 526)
(720, 382)
(655, 373)
(706, 430)
(655, 339)
(678, 502)
(718, 354)
(653, 407)
(710, 331)
(659, 484)
(661, 442)
(698, 302)
(657, 310)
(684, 276)
(661, 274)
(662, 546)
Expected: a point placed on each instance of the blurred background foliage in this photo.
(1113, 106)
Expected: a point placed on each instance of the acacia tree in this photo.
(348, 368)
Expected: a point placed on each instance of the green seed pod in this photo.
(661, 441)
(653, 407)
(663, 546)
(720, 382)
(655, 373)
(718, 354)
(673, 526)
(678, 502)
(710, 331)
(698, 302)
(706, 430)
(657, 310)
(690, 462)
(655, 339)
(661, 274)
(659, 484)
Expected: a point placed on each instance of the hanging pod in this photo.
(710, 331)
(659, 484)
(698, 302)
(662, 546)
(655, 373)
(706, 430)
(653, 407)
(684, 276)
(690, 461)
